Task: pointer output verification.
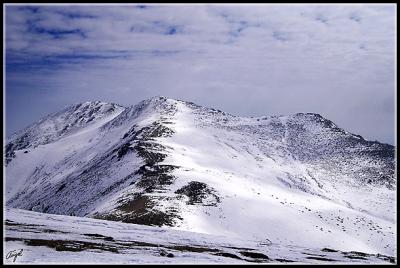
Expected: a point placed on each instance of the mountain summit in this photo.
(296, 179)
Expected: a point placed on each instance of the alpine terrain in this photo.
(210, 186)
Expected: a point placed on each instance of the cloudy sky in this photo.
(249, 60)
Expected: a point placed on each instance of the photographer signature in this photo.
(14, 254)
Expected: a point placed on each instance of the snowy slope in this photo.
(46, 238)
(292, 180)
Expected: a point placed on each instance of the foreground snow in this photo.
(47, 238)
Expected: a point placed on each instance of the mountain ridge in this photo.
(169, 162)
(18, 132)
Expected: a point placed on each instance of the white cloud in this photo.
(247, 59)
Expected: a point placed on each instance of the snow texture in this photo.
(46, 238)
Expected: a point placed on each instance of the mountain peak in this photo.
(92, 105)
(60, 124)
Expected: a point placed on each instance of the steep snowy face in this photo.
(318, 141)
(61, 124)
(85, 168)
(295, 179)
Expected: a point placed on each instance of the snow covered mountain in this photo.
(292, 180)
